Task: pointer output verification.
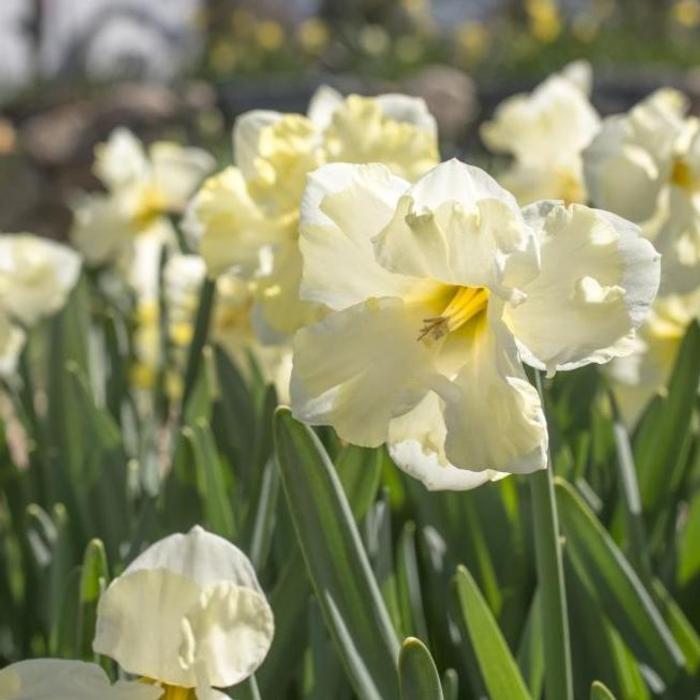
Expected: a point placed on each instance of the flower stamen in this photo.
(466, 303)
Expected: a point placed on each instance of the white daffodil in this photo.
(645, 165)
(57, 679)
(435, 292)
(142, 187)
(186, 616)
(246, 217)
(36, 276)
(645, 373)
(546, 131)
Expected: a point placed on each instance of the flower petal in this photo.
(344, 207)
(57, 679)
(417, 446)
(360, 367)
(36, 276)
(153, 619)
(459, 226)
(246, 138)
(493, 415)
(121, 160)
(227, 226)
(598, 278)
(323, 104)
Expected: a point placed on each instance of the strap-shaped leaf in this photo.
(337, 564)
(418, 677)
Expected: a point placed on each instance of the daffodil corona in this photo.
(435, 292)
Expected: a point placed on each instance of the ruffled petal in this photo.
(597, 281)
(360, 367)
(246, 138)
(493, 415)
(417, 446)
(344, 207)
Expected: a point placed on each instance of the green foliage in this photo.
(353, 555)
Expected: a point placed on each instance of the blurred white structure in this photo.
(149, 39)
(17, 62)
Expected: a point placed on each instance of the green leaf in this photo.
(359, 469)
(408, 583)
(600, 692)
(659, 437)
(498, 668)
(612, 581)
(94, 577)
(418, 677)
(337, 564)
(211, 479)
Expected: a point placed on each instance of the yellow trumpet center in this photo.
(682, 175)
(172, 692)
(152, 204)
(465, 304)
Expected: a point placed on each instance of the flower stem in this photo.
(550, 576)
(199, 337)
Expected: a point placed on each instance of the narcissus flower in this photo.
(546, 132)
(143, 188)
(36, 276)
(645, 166)
(187, 615)
(436, 291)
(246, 217)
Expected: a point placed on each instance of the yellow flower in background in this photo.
(686, 13)
(436, 291)
(313, 35)
(186, 616)
(546, 132)
(245, 218)
(544, 19)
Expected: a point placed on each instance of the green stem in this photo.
(550, 576)
(199, 338)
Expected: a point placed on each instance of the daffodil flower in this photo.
(546, 132)
(186, 616)
(246, 218)
(435, 292)
(36, 276)
(645, 166)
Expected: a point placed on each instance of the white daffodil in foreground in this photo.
(56, 679)
(436, 291)
(645, 165)
(545, 132)
(186, 616)
(246, 217)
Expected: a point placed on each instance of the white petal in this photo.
(598, 278)
(36, 276)
(246, 137)
(344, 207)
(555, 121)
(121, 160)
(322, 106)
(57, 679)
(177, 171)
(579, 74)
(226, 225)
(417, 446)
(493, 414)
(156, 618)
(360, 367)
(411, 110)
(458, 226)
